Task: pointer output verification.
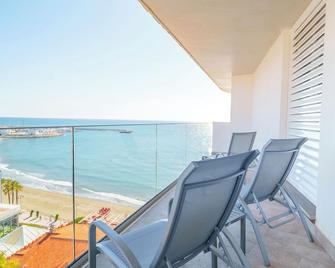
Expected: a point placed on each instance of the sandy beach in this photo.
(50, 203)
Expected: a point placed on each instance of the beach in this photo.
(51, 203)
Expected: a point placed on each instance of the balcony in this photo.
(58, 218)
(276, 58)
(72, 175)
(288, 245)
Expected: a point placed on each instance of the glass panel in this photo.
(36, 202)
(178, 145)
(116, 169)
(199, 141)
(114, 174)
(171, 148)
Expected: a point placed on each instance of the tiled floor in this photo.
(287, 245)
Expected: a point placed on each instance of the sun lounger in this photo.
(241, 142)
(206, 193)
(276, 161)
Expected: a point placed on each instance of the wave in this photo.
(32, 177)
(34, 180)
(114, 197)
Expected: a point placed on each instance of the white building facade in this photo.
(292, 94)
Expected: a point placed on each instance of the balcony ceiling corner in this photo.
(225, 37)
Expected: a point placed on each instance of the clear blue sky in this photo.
(98, 59)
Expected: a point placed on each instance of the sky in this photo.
(104, 59)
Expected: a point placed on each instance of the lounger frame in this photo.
(205, 179)
(279, 194)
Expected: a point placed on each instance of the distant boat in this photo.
(125, 131)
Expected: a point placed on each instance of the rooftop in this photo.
(54, 249)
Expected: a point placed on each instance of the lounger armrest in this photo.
(170, 205)
(219, 155)
(214, 156)
(114, 238)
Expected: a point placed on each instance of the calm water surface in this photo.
(109, 165)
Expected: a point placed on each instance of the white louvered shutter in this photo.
(305, 96)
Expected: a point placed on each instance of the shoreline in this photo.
(51, 203)
(34, 181)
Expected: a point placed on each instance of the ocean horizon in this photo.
(126, 167)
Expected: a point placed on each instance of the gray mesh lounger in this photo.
(276, 161)
(241, 142)
(206, 193)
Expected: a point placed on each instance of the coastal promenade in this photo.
(31, 133)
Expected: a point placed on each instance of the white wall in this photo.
(326, 191)
(241, 102)
(241, 112)
(259, 100)
(270, 92)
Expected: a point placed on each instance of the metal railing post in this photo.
(73, 190)
(185, 153)
(156, 160)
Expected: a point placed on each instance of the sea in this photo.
(120, 161)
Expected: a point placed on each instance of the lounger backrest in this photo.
(276, 161)
(205, 195)
(241, 142)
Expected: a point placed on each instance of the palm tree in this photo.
(6, 187)
(12, 186)
(17, 188)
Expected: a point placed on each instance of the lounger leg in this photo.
(92, 251)
(301, 215)
(304, 223)
(243, 233)
(229, 259)
(215, 258)
(257, 232)
(168, 263)
(243, 259)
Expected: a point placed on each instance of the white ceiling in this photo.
(226, 37)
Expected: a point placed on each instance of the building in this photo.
(9, 218)
(53, 249)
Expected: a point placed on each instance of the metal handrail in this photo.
(104, 125)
